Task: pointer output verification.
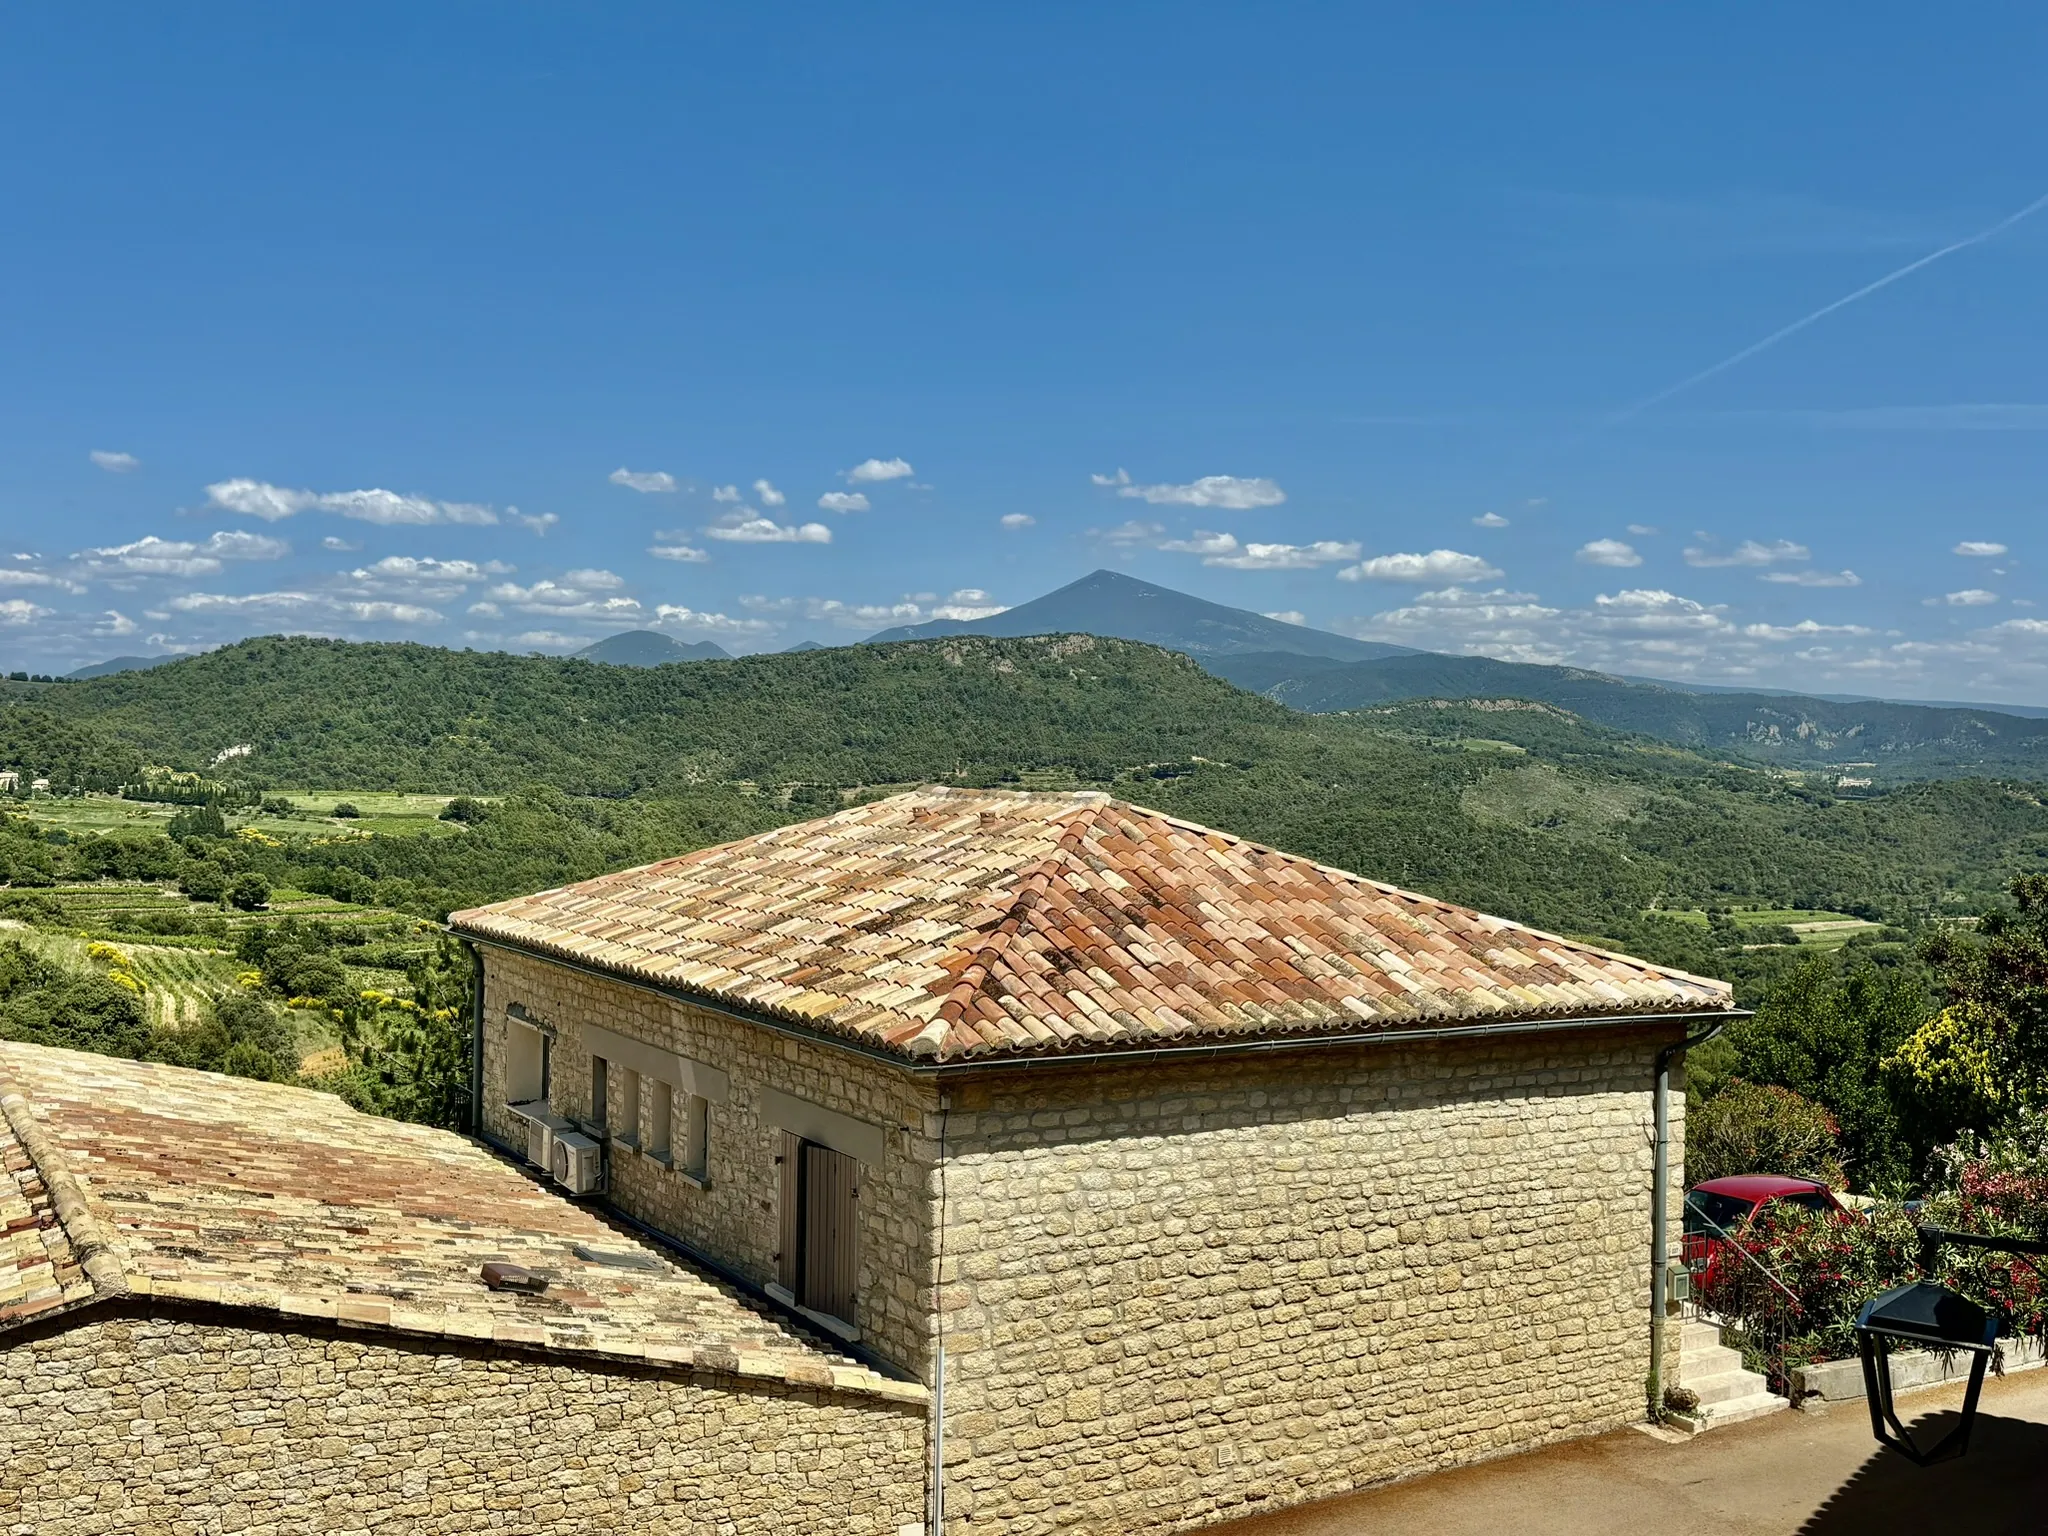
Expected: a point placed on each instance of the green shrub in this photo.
(345, 811)
(1761, 1128)
(463, 809)
(80, 1012)
(203, 880)
(249, 892)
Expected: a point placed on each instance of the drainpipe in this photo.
(939, 1336)
(1660, 1189)
(476, 1039)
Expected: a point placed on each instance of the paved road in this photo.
(1786, 1474)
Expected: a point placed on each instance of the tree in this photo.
(249, 892)
(346, 811)
(1823, 1033)
(80, 1012)
(203, 880)
(1761, 1128)
(198, 821)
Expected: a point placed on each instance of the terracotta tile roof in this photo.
(218, 1189)
(949, 924)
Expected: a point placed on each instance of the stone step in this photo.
(1696, 1335)
(1706, 1360)
(1725, 1386)
(1735, 1410)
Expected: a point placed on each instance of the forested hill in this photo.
(1868, 737)
(1523, 810)
(415, 717)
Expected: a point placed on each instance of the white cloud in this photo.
(1969, 597)
(19, 610)
(843, 501)
(1813, 578)
(691, 621)
(875, 471)
(1651, 609)
(538, 522)
(768, 496)
(1289, 616)
(1438, 565)
(727, 493)
(17, 576)
(1749, 552)
(1608, 552)
(1642, 530)
(1285, 557)
(1979, 549)
(1228, 493)
(335, 542)
(740, 528)
(1017, 520)
(256, 498)
(115, 463)
(1133, 532)
(1487, 520)
(1805, 629)
(424, 577)
(575, 596)
(114, 622)
(1121, 477)
(543, 639)
(686, 553)
(291, 605)
(1203, 544)
(648, 482)
(152, 556)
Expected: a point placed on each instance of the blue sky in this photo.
(517, 326)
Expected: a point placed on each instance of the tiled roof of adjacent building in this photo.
(130, 1178)
(952, 924)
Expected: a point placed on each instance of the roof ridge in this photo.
(98, 1255)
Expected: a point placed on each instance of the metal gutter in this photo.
(975, 1065)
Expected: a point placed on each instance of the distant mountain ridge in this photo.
(1864, 738)
(119, 664)
(650, 648)
(1120, 607)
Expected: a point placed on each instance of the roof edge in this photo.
(934, 1065)
(98, 1256)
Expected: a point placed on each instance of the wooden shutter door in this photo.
(829, 1249)
(789, 1260)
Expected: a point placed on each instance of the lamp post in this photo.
(1933, 1317)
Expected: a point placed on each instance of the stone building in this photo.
(1192, 1178)
(236, 1306)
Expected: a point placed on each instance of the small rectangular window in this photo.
(697, 1138)
(600, 1072)
(526, 1073)
(660, 1107)
(629, 1107)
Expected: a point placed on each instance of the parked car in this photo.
(1721, 1209)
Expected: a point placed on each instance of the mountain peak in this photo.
(1106, 602)
(650, 648)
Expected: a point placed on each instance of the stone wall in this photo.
(733, 1214)
(152, 1424)
(1177, 1293)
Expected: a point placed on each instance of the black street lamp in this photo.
(1933, 1317)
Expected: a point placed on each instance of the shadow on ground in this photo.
(2001, 1486)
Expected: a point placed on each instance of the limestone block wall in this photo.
(734, 1216)
(1174, 1294)
(155, 1424)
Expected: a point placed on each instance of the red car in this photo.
(1723, 1208)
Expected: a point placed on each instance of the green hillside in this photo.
(1526, 811)
(1867, 738)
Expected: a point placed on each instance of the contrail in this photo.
(1823, 312)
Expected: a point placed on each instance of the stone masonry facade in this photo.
(1179, 1291)
(731, 1215)
(1177, 1294)
(160, 1425)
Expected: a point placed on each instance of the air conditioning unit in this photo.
(576, 1161)
(542, 1126)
